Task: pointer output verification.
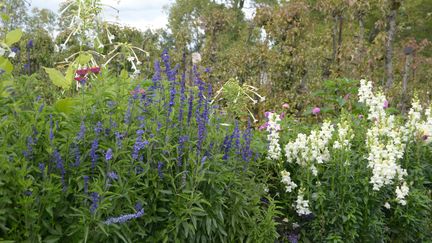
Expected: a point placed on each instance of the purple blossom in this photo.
(81, 133)
(86, 179)
(119, 137)
(30, 44)
(124, 218)
(157, 74)
(227, 146)
(42, 168)
(95, 202)
(293, 238)
(247, 138)
(236, 137)
(191, 98)
(60, 166)
(98, 128)
(112, 175)
(77, 153)
(29, 152)
(41, 107)
(182, 141)
(109, 154)
(159, 168)
(51, 133)
(93, 155)
(139, 144)
(316, 110)
(182, 98)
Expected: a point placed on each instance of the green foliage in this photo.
(204, 198)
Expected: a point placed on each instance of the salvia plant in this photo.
(128, 160)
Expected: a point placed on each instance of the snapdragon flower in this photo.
(302, 205)
(386, 141)
(309, 149)
(286, 179)
(344, 136)
(273, 127)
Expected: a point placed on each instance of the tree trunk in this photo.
(389, 48)
(408, 61)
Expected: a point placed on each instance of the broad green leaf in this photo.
(6, 65)
(83, 58)
(65, 105)
(70, 74)
(13, 37)
(57, 78)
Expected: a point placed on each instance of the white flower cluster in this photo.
(301, 205)
(286, 179)
(273, 127)
(313, 148)
(425, 131)
(376, 103)
(345, 135)
(414, 121)
(401, 193)
(385, 141)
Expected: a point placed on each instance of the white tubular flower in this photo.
(273, 136)
(414, 121)
(301, 205)
(401, 193)
(306, 150)
(387, 205)
(386, 141)
(286, 179)
(12, 54)
(345, 135)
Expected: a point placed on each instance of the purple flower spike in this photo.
(108, 155)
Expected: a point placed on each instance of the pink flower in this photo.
(360, 116)
(285, 106)
(386, 104)
(95, 70)
(316, 110)
(263, 126)
(282, 115)
(267, 113)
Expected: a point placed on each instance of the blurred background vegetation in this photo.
(288, 49)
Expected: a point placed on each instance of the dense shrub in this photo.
(128, 160)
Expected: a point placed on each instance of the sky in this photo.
(141, 14)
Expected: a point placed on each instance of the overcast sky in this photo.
(142, 14)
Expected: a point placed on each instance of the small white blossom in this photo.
(286, 179)
(273, 128)
(387, 205)
(301, 205)
(401, 193)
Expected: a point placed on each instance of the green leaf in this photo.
(13, 37)
(124, 74)
(83, 58)
(57, 78)
(65, 105)
(70, 75)
(6, 65)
